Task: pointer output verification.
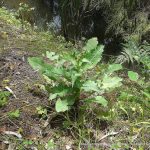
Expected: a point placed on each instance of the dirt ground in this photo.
(20, 78)
(17, 76)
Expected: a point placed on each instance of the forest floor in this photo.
(17, 77)
(20, 122)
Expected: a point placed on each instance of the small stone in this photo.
(17, 73)
(68, 147)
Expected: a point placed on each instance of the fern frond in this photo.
(132, 52)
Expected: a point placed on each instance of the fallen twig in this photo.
(109, 134)
(10, 90)
(13, 133)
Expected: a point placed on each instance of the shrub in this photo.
(134, 52)
(70, 76)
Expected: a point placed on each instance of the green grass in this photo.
(29, 39)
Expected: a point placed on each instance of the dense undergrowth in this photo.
(120, 18)
(98, 105)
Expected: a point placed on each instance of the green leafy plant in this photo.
(144, 85)
(4, 97)
(134, 52)
(69, 76)
(41, 111)
(8, 17)
(133, 75)
(14, 114)
(23, 13)
(27, 142)
(50, 144)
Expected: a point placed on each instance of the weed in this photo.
(71, 77)
(4, 98)
(23, 13)
(14, 114)
(41, 111)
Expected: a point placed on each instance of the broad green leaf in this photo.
(51, 55)
(71, 99)
(92, 57)
(61, 90)
(137, 58)
(70, 58)
(36, 63)
(74, 77)
(50, 71)
(91, 44)
(90, 86)
(133, 75)
(114, 67)
(52, 96)
(98, 99)
(101, 100)
(62, 105)
(110, 82)
(85, 60)
(55, 71)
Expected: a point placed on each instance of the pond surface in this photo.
(45, 15)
